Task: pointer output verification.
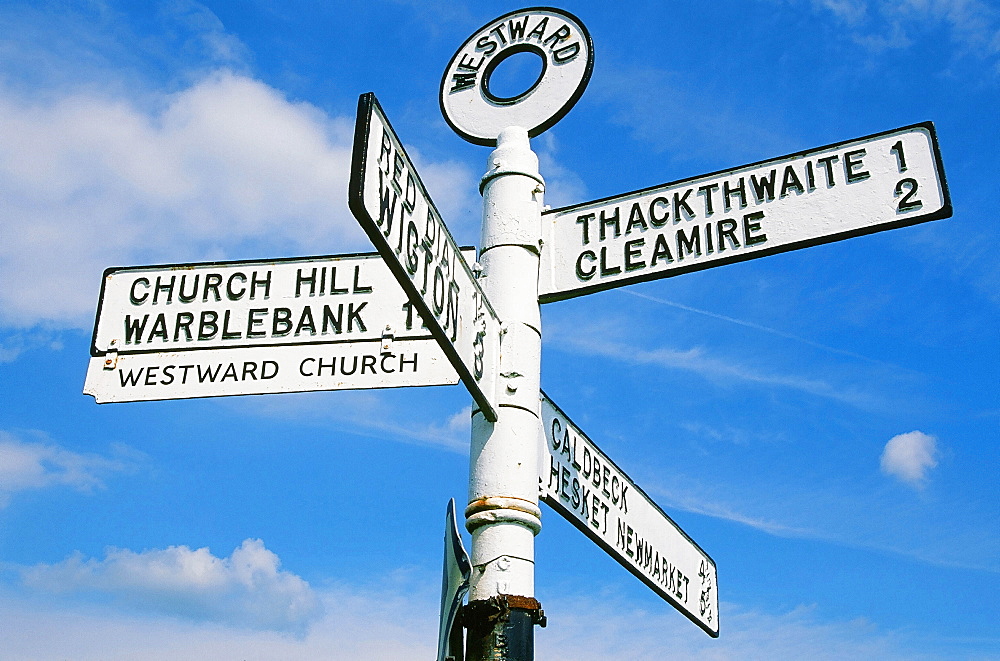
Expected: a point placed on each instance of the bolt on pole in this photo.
(503, 515)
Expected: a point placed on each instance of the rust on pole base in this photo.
(501, 628)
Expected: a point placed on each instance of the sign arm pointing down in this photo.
(392, 205)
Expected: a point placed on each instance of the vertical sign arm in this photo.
(503, 515)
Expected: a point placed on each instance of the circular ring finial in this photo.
(556, 36)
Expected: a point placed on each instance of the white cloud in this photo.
(27, 465)
(401, 623)
(247, 589)
(909, 457)
(93, 181)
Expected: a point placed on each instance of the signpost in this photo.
(392, 205)
(875, 183)
(589, 490)
(327, 323)
(254, 327)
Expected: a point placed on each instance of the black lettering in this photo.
(184, 321)
(343, 366)
(329, 320)
(659, 222)
(610, 222)
(680, 202)
(282, 324)
(300, 280)
(690, 243)
(226, 333)
(585, 222)
(134, 328)
(187, 298)
(306, 322)
(539, 30)
(249, 370)
(605, 269)
(168, 288)
(738, 190)
(253, 322)
(580, 272)
(212, 282)
(403, 361)
(661, 250)
(827, 164)
(706, 191)
(136, 300)
(850, 167)
(749, 226)
(726, 228)
(208, 374)
(789, 181)
(763, 189)
(130, 378)
(633, 249)
(207, 326)
(635, 219)
(255, 282)
(562, 34)
(355, 313)
(566, 53)
(230, 373)
(230, 292)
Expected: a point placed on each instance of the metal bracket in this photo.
(111, 357)
(387, 338)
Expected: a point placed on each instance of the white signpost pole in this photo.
(503, 514)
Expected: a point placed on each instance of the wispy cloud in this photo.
(366, 413)
(758, 327)
(246, 589)
(28, 465)
(972, 26)
(668, 113)
(699, 361)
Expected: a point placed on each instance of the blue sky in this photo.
(824, 422)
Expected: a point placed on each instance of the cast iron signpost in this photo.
(328, 323)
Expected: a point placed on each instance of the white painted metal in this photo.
(556, 37)
(238, 328)
(393, 207)
(876, 183)
(503, 514)
(580, 482)
(456, 574)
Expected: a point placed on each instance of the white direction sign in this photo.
(580, 482)
(875, 183)
(255, 327)
(393, 207)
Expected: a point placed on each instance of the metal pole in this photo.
(503, 515)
